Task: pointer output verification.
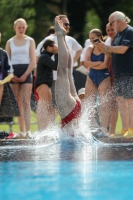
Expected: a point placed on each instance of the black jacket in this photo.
(45, 67)
(4, 65)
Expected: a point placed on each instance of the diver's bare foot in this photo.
(58, 27)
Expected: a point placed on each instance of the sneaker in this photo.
(29, 135)
(22, 135)
(11, 136)
(121, 134)
(129, 133)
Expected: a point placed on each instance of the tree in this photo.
(10, 11)
(40, 14)
(77, 12)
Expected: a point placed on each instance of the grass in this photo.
(15, 127)
(34, 127)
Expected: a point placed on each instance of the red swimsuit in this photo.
(74, 114)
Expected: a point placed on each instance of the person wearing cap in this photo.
(121, 51)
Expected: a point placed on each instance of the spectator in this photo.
(74, 47)
(51, 30)
(114, 106)
(98, 80)
(121, 51)
(21, 49)
(44, 81)
(8, 104)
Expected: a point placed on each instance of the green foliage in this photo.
(92, 21)
(39, 14)
(10, 11)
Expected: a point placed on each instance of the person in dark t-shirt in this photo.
(122, 63)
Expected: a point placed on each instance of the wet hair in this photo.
(47, 43)
(20, 20)
(97, 32)
(121, 16)
(51, 30)
(62, 16)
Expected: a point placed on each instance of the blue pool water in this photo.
(68, 170)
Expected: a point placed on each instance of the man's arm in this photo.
(116, 49)
(111, 49)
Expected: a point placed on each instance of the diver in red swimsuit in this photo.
(68, 102)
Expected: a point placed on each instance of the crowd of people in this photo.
(103, 67)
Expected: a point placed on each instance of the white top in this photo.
(20, 54)
(87, 42)
(108, 41)
(73, 46)
(83, 54)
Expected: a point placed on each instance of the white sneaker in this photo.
(29, 135)
(22, 135)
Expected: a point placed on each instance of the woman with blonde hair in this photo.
(98, 79)
(21, 49)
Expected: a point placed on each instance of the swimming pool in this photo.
(67, 170)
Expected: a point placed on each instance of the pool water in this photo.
(67, 170)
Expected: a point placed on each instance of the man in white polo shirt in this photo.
(74, 47)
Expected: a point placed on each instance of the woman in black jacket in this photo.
(44, 80)
(8, 104)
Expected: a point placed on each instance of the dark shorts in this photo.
(54, 105)
(123, 86)
(19, 70)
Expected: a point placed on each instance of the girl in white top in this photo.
(21, 49)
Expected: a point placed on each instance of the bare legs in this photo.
(123, 108)
(23, 94)
(105, 102)
(1, 93)
(130, 112)
(90, 96)
(114, 116)
(103, 91)
(64, 88)
(45, 112)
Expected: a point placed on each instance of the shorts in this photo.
(74, 114)
(19, 70)
(123, 86)
(54, 105)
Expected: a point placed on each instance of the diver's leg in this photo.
(64, 99)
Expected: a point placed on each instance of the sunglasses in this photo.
(66, 24)
(111, 23)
